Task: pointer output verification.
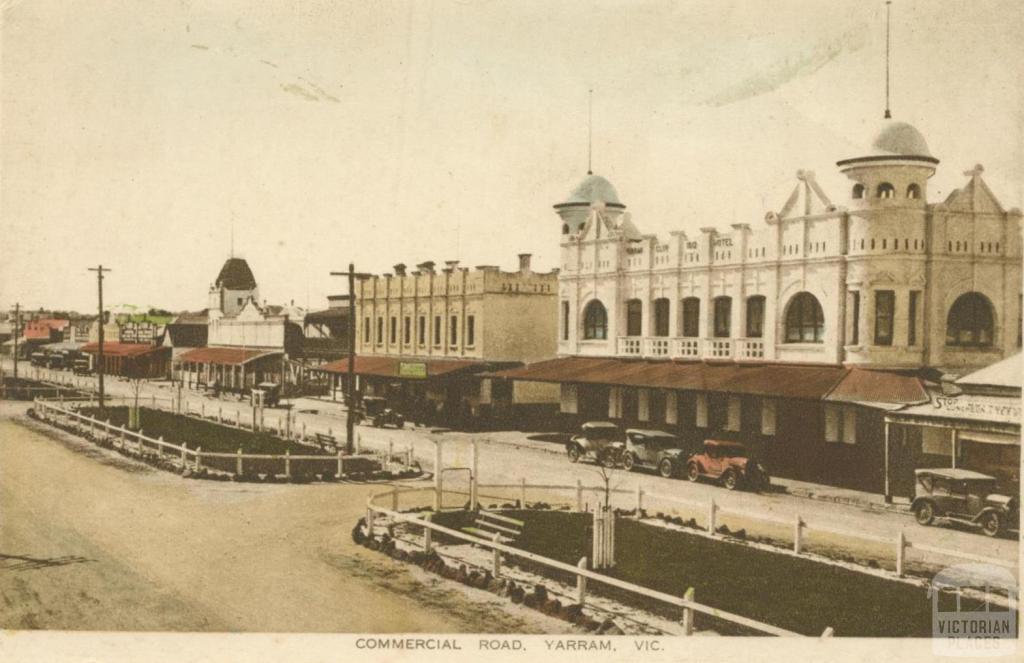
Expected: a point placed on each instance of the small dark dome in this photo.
(236, 275)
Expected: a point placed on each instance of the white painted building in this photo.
(875, 275)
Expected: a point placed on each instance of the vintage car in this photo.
(656, 450)
(599, 441)
(82, 366)
(375, 408)
(728, 463)
(267, 394)
(963, 496)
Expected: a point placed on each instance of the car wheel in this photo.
(574, 453)
(693, 472)
(666, 468)
(628, 462)
(609, 460)
(924, 513)
(729, 480)
(991, 524)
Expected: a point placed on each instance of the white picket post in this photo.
(154, 401)
(427, 532)
(496, 558)
(688, 613)
(579, 495)
(160, 447)
(438, 484)
(238, 462)
(304, 436)
(199, 458)
(369, 520)
(184, 448)
(287, 464)
(359, 443)
(639, 500)
(522, 492)
(581, 582)
(394, 498)
(798, 526)
(828, 632)
(474, 477)
(712, 513)
(220, 414)
(901, 549)
(122, 436)
(238, 416)
(340, 465)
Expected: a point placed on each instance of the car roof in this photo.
(599, 424)
(648, 432)
(952, 473)
(724, 443)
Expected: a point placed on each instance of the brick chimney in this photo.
(400, 269)
(426, 267)
(524, 263)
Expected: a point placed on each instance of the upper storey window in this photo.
(969, 323)
(886, 190)
(805, 321)
(634, 317)
(913, 192)
(858, 191)
(595, 322)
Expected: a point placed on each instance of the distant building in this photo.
(326, 332)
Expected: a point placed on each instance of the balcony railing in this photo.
(660, 347)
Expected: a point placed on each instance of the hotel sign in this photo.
(412, 369)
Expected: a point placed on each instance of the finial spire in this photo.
(888, 4)
(232, 245)
(590, 134)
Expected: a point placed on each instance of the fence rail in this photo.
(686, 603)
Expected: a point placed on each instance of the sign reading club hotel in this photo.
(796, 332)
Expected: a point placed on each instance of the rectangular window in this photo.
(768, 417)
(453, 329)
(733, 412)
(470, 330)
(565, 321)
(723, 317)
(755, 317)
(885, 307)
(634, 317)
(393, 331)
(380, 330)
(366, 331)
(855, 305)
(833, 423)
(691, 317)
(912, 317)
(849, 426)
(407, 330)
(437, 330)
(421, 331)
(661, 317)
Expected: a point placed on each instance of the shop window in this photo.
(595, 321)
(470, 330)
(661, 317)
(634, 317)
(755, 316)
(886, 190)
(805, 321)
(913, 192)
(723, 317)
(885, 309)
(969, 323)
(691, 317)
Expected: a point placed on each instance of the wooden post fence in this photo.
(238, 462)
(901, 551)
(688, 613)
(496, 559)
(427, 534)
(579, 496)
(712, 513)
(798, 526)
(581, 583)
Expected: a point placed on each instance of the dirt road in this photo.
(90, 540)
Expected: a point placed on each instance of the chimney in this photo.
(427, 267)
(524, 263)
(451, 264)
(400, 269)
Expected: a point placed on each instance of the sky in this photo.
(143, 135)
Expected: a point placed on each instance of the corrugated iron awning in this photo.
(867, 387)
(124, 349)
(392, 367)
(225, 355)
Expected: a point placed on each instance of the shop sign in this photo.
(412, 369)
(996, 410)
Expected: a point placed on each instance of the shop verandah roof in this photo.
(801, 381)
(389, 367)
(224, 355)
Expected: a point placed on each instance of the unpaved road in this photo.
(92, 541)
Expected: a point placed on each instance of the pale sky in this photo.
(133, 133)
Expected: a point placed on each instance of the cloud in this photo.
(310, 91)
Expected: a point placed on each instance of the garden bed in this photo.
(796, 594)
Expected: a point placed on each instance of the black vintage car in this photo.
(375, 408)
(963, 496)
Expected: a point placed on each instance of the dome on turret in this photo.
(895, 140)
(593, 189)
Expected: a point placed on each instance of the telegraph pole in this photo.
(350, 422)
(17, 330)
(99, 355)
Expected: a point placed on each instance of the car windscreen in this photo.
(733, 451)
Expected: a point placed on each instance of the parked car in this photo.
(380, 415)
(730, 464)
(82, 367)
(966, 497)
(656, 450)
(271, 392)
(600, 441)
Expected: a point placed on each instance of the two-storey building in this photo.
(796, 332)
(423, 337)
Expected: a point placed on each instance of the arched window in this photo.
(805, 322)
(634, 317)
(595, 322)
(886, 190)
(969, 323)
(661, 317)
(565, 228)
(858, 190)
(913, 192)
